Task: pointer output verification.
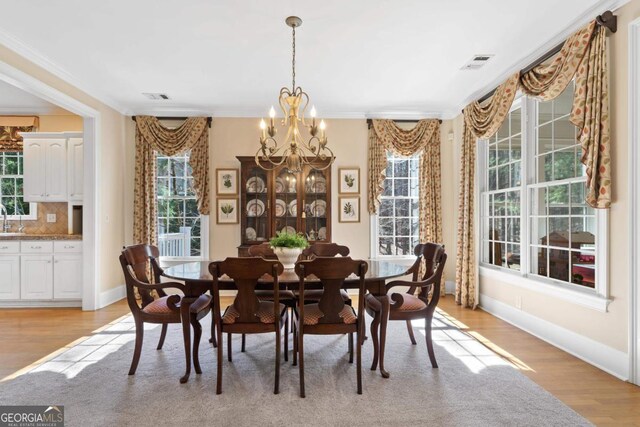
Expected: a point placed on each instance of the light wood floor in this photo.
(27, 335)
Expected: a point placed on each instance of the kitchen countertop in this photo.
(14, 236)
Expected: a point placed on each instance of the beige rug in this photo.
(473, 386)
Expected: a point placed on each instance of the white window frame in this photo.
(204, 241)
(598, 298)
(33, 207)
(373, 233)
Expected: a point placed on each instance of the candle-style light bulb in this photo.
(272, 112)
(323, 125)
(263, 124)
(313, 112)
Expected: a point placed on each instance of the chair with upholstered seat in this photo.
(408, 306)
(248, 314)
(136, 262)
(330, 315)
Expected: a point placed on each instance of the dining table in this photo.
(198, 280)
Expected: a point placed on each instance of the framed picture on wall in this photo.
(227, 211)
(349, 180)
(227, 182)
(349, 209)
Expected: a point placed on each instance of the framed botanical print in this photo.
(227, 211)
(349, 209)
(226, 182)
(349, 180)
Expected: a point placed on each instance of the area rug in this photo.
(473, 386)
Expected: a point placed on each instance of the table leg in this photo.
(186, 332)
(384, 319)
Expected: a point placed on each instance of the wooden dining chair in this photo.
(137, 262)
(322, 249)
(330, 315)
(287, 297)
(248, 314)
(407, 306)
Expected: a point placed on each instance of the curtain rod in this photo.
(174, 118)
(370, 121)
(607, 20)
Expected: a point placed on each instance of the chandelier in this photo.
(295, 152)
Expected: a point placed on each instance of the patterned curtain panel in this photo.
(480, 121)
(10, 128)
(152, 137)
(583, 56)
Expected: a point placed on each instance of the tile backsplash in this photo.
(41, 226)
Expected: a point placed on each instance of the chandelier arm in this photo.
(304, 95)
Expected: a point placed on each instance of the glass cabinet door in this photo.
(285, 209)
(255, 203)
(316, 206)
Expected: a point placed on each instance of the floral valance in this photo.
(10, 128)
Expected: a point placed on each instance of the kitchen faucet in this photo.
(5, 226)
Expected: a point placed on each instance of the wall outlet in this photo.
(519, 302)
(51, 217)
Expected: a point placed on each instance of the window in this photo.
(11, 173)
(534, 218)
(182, 230)
(397, 223)
(502, 198)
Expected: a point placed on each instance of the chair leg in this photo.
(295, 343)
(276, 386)
(286, 337)
(219, 373)
(229, 357)
(301, 362)
(197, 334)
(351, 347)
(138, 348)
(244, 341)
(163, 335)
(359, 358)
(375, 323)
(410, 330)
(432, 355)
(213, 340)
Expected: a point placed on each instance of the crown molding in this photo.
(29, 111)
(580, 21)
(23, 49)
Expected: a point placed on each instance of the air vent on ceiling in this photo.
(156, 96)
(477, 62)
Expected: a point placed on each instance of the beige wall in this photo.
(110, 180)
(60, 123)
(609, 328)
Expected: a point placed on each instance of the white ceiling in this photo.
(229, 58)
(14, 101)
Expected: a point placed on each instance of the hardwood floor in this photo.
(28, 335)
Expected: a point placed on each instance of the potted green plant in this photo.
(288, 247)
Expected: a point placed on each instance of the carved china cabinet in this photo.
(276, 200)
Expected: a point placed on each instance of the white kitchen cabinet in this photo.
(67, 276)
(36, 277)
(53, 166)
(56, 171)
(34, 182)
(9, 277)
(75, 169)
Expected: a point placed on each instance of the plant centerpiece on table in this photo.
(288, 247)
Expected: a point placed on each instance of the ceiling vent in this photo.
(156, 96)
(477, 62)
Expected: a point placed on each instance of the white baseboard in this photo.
(40, 303)
(112, 295)
(610, 360)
